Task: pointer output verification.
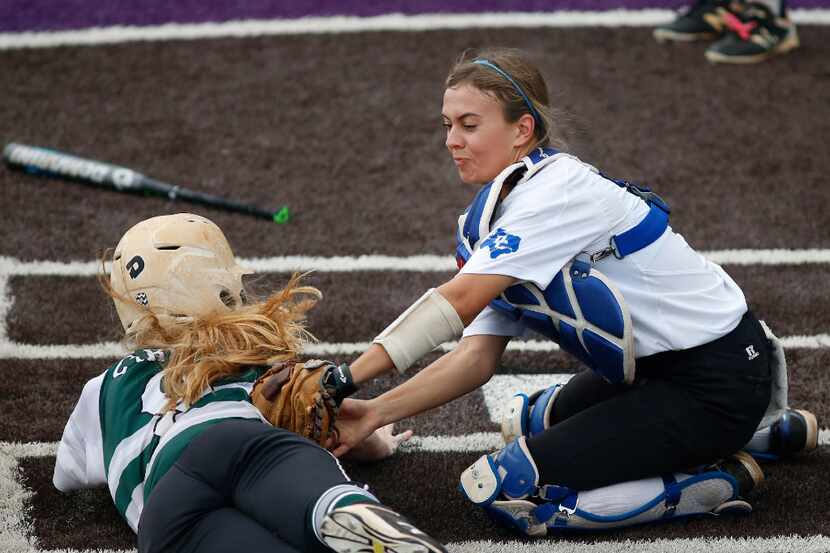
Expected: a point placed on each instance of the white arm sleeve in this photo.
(428, 323)
(80, 458)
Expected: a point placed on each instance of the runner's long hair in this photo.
(206, 349)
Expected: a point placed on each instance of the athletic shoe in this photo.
(795, 432)
(747, 473)
(754, 34)
(701, 21)
(744, 469)
(373, 528)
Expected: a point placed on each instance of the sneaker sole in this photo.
(790, 43)
(366, 532)
(812, 430)
(665, 35)
(736, 507)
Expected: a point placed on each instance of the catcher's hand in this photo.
(304, 397)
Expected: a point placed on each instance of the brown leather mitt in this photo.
(303, 397)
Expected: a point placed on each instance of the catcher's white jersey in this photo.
(117, 435)
(677, 298)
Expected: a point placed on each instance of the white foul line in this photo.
(112, 350)
(352, 24)
(466, 443)
(417, 263)
(6, 301)
(15, 527)
(781, 544)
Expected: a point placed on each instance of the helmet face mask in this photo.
(177, 267)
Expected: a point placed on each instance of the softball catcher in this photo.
(191, 463)
(682, 375)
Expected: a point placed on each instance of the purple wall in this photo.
(39, 15)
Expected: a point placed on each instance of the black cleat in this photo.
(373, 528)
(744, 469)
(795, 432)
(754, 34)
(701, 21)
(746, 472)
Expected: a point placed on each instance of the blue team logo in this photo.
(500, 242)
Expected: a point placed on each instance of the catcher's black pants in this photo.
(685, 409)
(241, 485)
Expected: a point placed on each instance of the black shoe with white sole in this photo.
(754, 33)
(700, 21)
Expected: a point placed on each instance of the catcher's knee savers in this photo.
(528, 416)
(506, 485)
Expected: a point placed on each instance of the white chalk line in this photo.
(352, 24)
(111, 350)
(475, 442)
(781, 544)
(6, 301)
(17, 534)
(418, 263)
(496, 393)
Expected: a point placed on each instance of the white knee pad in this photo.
(525, 416)
(501, 483)
(510, 471)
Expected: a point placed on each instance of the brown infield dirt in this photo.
(346, 130)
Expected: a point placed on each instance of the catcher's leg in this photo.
(599, 468)
(506, 485)
(691, 408)
(531, 415)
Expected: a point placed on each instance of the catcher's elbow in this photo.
(477, 368)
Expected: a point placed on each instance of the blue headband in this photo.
(500, 71)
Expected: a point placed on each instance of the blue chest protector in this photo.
(581, 309)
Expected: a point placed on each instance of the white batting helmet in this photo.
(175, 266)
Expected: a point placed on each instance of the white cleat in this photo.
(373, 528)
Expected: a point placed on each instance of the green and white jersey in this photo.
(117, 435)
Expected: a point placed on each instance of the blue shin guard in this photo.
(506, 485)
(528, 416)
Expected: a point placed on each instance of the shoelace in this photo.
(743, 29)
